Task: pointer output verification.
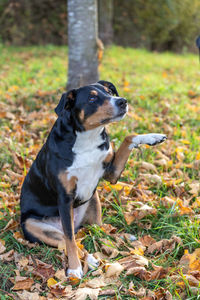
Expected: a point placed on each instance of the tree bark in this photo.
(82, 43)
(105, 19)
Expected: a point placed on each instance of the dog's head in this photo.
(93, 105)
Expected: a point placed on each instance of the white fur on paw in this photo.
(93, 263)
(78, 272)
(147, 139)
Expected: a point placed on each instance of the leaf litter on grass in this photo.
(148, 246)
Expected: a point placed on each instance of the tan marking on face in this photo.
(50, 237)
(106, 89)
(82, 115)
(93, 92)
(68, 184)
(104, 111)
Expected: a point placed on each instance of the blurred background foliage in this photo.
(155, 25)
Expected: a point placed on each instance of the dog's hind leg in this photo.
(48, 230)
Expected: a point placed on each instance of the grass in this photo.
(164, 92)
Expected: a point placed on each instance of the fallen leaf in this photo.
(164, 245)
(60, 274)
(51, 281)
(8, 256)
(114, 270)
(95, 283)
(23, 283)
(194, 188)
(59, 290)
(2, 247)
(148, 166)
(28, 296)
(83, 293)
(43, 270)
(147, 240)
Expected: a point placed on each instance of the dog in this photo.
(59, 192)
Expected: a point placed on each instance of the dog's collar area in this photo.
(78, 202)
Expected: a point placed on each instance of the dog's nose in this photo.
(121, 102)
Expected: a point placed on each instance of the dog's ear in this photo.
(67, 101)
(110, 86)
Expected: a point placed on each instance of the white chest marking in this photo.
(87, 165)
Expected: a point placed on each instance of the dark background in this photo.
(156, 25)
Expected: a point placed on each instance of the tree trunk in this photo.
(105, 18)
(82, 43)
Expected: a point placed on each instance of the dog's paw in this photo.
(78, 272)
(93, 263)
(150, 139)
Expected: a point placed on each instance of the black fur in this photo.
(42, 193)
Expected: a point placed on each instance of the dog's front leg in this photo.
(116, 166)
(66, 214)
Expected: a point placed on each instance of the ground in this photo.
(149, 245)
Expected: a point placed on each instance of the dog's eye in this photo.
(92, 98)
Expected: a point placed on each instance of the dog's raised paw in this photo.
(93, 263)
(150, 139)
(78, 272)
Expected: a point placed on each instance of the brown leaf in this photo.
(147, 240)
(148, 167)
(139, 293)
(109, 248)
(59, 290)
(164, 245)
(107, 292)
(2, 247)
(83, 293)
(163, 294)
(8, 256)
(167, 201)
(140, 272)
(96, 282)
(194, 188)
(28, 296)
(60, 274)
(114, 270)
(43, 270)
(133, 261)
(139, 213)
(23, 284)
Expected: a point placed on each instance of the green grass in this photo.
(164, 91)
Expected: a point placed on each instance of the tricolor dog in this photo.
(59, 192)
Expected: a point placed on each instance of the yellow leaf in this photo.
(164, 74)
(4, 185)
(198, 156)
(51, 281)
(195, 260)
(184, 210)
(186, 142)
(79, 245)
(126, 83)
(183, 133)
(138, 251)
(170, 163)
(126, 89)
